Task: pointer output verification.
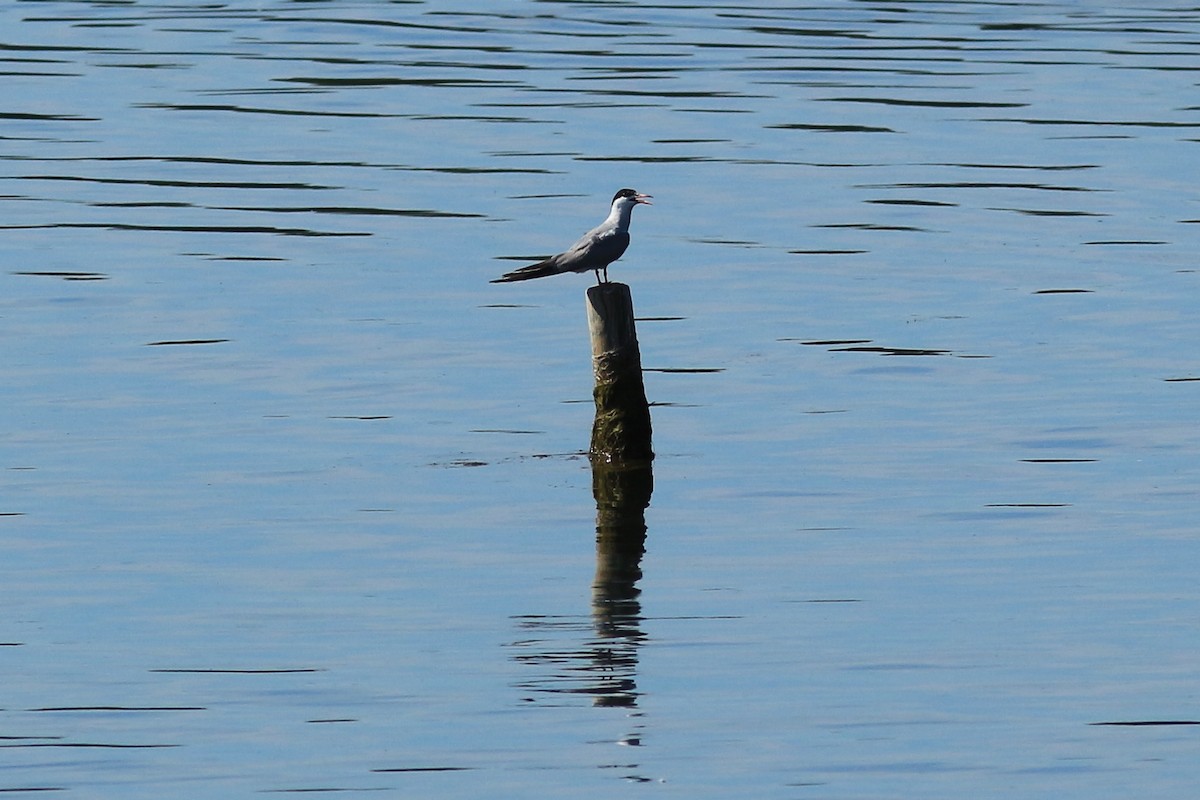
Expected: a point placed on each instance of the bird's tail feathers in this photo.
(539, 270)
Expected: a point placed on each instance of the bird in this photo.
(595, 250)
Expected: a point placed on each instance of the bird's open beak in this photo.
(644, 199)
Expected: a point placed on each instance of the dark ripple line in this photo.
(237, 162)
(891, 101)
(481, 118)
(49, 48)
(46, 117)
(271, 91)
(352, 210)
(142, 204)
(651, 159)
(904, 202)
(823, 68)
(779, 30)
(1125, 242)
(479, 170)
(173, 183)
(30, 738)
(891, 351)
(66, 276)
(830, 128)
(1028, 505)
(979, 185)
(1045, 167)
(116, 226)
(423, 769)
(1055, 26)
(873, 226)
(1096, 122)
(570, 104)
(90, 745)
(377, 22)
(1138, 723)
(175, 342)
(1035, 212)
(326, 790)
(684, 370)
(451, 83)
(289, 112)
(683, 94)
(247, 671)
(32, 74)
(244, 162)
(827, 253)
(121, 708)
(201, 13)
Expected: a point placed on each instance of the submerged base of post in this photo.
(621, 432)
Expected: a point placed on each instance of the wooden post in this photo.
(621, 431)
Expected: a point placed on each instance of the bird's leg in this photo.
(597, 271)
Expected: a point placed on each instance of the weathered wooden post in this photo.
(621, 432)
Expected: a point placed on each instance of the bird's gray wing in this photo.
(594, 251)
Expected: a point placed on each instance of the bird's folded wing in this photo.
(595, 251)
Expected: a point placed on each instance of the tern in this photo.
(595, 250)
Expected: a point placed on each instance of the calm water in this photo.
(293, 500)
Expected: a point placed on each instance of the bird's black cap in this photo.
(625, 193)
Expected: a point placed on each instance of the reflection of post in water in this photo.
(600, 659)
(622, 495)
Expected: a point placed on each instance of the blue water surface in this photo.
(294, 501)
